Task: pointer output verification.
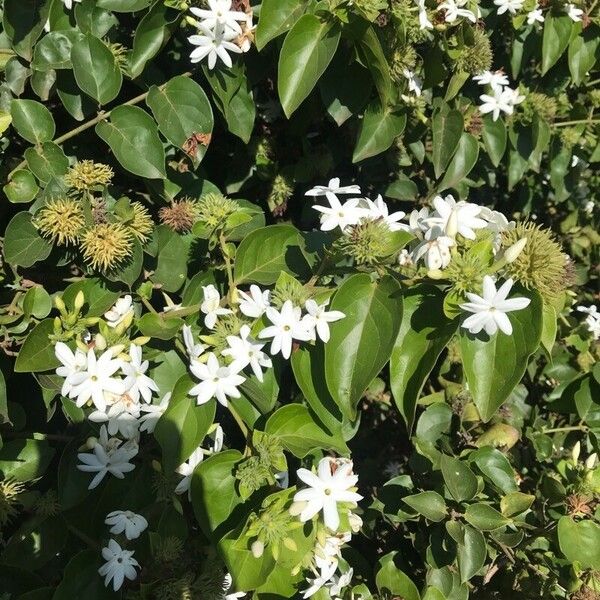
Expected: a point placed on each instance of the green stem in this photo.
(101, 116)
(576, 122)
(148, 305)
(238, 420)
(228, 266)
(570, 428)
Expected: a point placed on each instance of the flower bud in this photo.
(512, 253)
(435, 274)
(58, 302)
(591, 461)
(79, 300)
(452, 225)
(296, 508)
(257, 548)
(100, 342)
(90, 443)
(575, 452)
(140, 341)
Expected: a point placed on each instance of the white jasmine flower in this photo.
(454, 10)
(135, 370)
(497, 223)
(535, 16)
(513, 96)
(414, 83)
(435, 249)
(574, 13)
(255, 303)
(247, 37)
(512, 6)
(491, 308)
(417, 221)
(424, 22)
(463, 217)
(122, 308)
(331, 484)
(330, 552)
(318, 582)
(575, 160)
(121, 415)
(500, 101)
(153, 412)
(211, 305)
(96, 379)
(245, 351)
(588, 207)
(340, 215)
(212, 45)
(495, 79)
(339, 582)
(287, 326)
(318, 318)
(194, 350)
(227, 585)
(119, 565)
(333, 189)
(592, 320)
(216, 381)
(378, 209)
(109, 456)
(73, 362)
(187, 470)
(126, 521)
(220, 15)
(405, 258)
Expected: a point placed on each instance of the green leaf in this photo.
(23, 22)
(494, 138)
(396, 582)
(98, 296)
(77, 104)
(171, 270)
(182, 111)
(25, 459)
(462, 162)
(580, 542)
(47, 161)
(424, 333)
(583, 53)
(156, 325)
(37, 353)
(81, 579)
(92, 19)
(458, 477)
(95, 68)
(515, 503)
(362, 342)
(307, 50)
(183, 426)
(484, 517)
(378, 129)
(557, 33)
(434, 422)
(152, 33)
(429, 504)
(447, 129)
(32, 120)
(495, 365)
(277, 17)
(130, 269)
(265, 253)
(371, 54)
(37, 303)
(496, 467)
(298, 432)
(549, 329)
(472, 550)
(133, 137)
(23, 245)
(53, 51)
(124, 5)
(22, 187)
(214, 494)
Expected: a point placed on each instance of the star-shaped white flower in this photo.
(194, 350)
(216, 381)
(152, 413)
(435, 249)
(287, 326)
(211, 306)
(122, 308)
(135, 370)
(121, 415)
(213, 45)
(535, 16)
(454, 217)
(340, 215)
(495, 79)
(454, 10)
(333, 189)
(119, 565)
(187, 470)
(126, 521)
(575, 14)
(255, 303)
(499, 101)
(316, 583)
(512, 6)
(318, 318)
(424, 22)
(414, 83)
(489, 311)
(73, 363)
(331, 485)
(220, 15)
(244, 351)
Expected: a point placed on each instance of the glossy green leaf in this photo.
(495, 364)
(266, 252)
(171, 269)
(484, 517)
(447, 129)
(47, 161)
(458, 477)
(361, 343)
(515, 503)
(378, 130)
(307, 50)
(53, 51)
(81, 579)
(496, 467)
(25, 459)
(93, 19)
(429, 504)
(557, 33)
(462, 162)
(32, 120)
(133, 137)
(583, 53)
(580, 542)
(23, 22)
(372, 56)
(22, 187)
(495, 138)
(277, 17)
(472, 550)
(156, 325)
(95, 68)
(424, 332)
(37, 303)
(124, 5)
(23, 245)
(391, 578)
(294, 426)
(182, 112)
(37, 353)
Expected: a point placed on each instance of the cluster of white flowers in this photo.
(220, 377)
(333, 484)
(501, 98)
(120, 563)
(592, 320)
(220, 31)
(454, 9)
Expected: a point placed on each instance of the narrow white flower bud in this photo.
(513, 252)
(452, 226)
(591, 461)
(257, 548)
(576, 451)
(79, 300)
(99, 342)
